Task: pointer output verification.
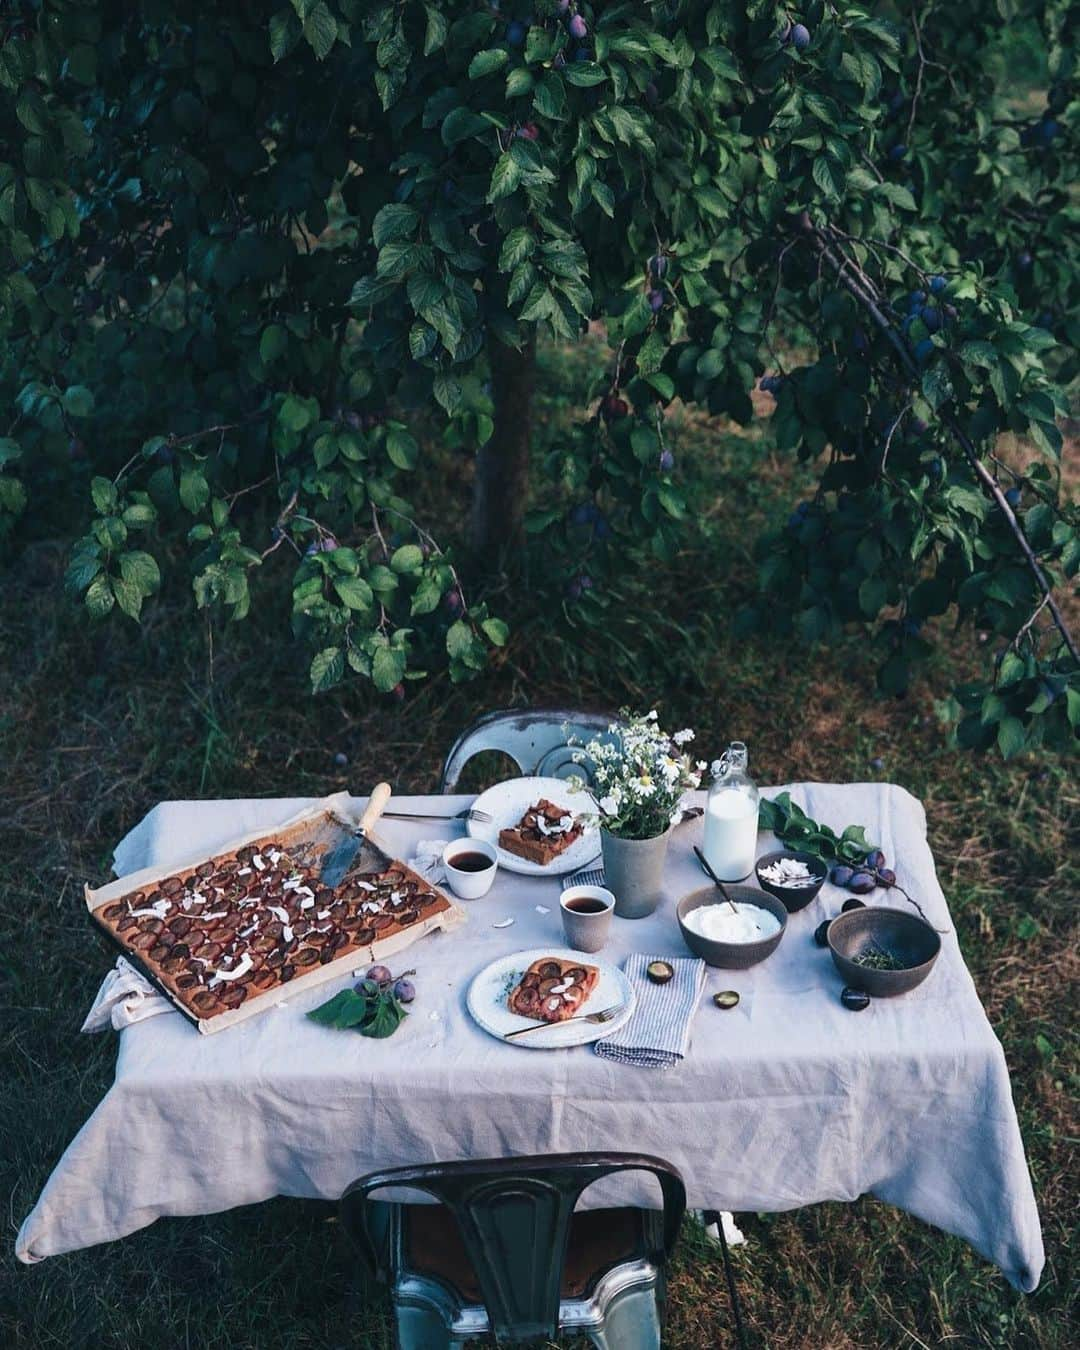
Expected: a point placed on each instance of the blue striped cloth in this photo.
(588, 876)
(658, 1033)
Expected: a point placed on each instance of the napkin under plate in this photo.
(658, 1033)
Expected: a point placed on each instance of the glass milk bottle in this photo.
(731, 816)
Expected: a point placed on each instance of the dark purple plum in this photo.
(841, 875)
(861, 883)
(800, 37)
(875, 859)
(937, 285)
(656, 301)
(821, 933)
(577, 27)
(404, 991)
(380, 974)
(854, 1000)
(886, 877)
(667, 461)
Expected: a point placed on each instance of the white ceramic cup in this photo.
(472, 883)
(586, 929)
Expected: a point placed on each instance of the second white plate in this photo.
(489, 990)
(507, 802)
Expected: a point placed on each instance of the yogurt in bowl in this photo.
(750, 923)
(731, 941)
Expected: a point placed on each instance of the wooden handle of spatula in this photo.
(380, 795)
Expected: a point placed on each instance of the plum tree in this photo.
(247, 246)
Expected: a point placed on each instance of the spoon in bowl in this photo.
(722, 888)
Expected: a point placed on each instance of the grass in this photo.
(96, 725)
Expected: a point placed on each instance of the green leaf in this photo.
(496, 631)
(426, 597)
(273, 343)
(194, 490)
(387, 668)
(386, 1016)
(320, 29)
(327, 668)
(354, 592)
(99, 597)
(394, 221)
(78, 401)
(401, 448)
(295, 414)
(505, 177)
(141, 571)
(407, 558)
(104, 495)
(346, 1009)
(487, 63)
(436, 30)
(285, 32)
(1011, 736)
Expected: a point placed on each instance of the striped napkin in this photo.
(658, 1033)
(588, 876)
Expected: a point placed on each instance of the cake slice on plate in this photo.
(551, 990)
(542, 834)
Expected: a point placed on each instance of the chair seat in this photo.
(599, 1239)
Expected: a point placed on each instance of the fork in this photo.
(605, 1015)
(469, 813)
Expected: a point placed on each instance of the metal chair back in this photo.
(536, 739)
(514, 1218)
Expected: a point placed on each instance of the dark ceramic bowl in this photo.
(895, 931)
(731, 955)
(794, 897)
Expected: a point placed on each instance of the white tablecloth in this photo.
(784, 1101)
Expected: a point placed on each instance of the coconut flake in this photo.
(241, 968)
(158, 910)
(259, 862)
(282, 915)
(365, 885)
(286, 933)
(322, 914)
(542, 909)
(243, 871)
(503, 923)
(217, 914)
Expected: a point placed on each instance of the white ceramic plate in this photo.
(488, 992)
(507, 802)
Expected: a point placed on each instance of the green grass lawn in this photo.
(98, 725)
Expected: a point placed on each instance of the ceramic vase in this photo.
(634, 872)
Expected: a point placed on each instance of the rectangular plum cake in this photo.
(242, 925)
(542, 833)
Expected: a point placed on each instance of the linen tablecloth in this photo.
(784, 1101)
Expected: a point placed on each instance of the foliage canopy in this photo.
(245, 245)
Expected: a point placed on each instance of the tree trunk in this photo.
(502, 466)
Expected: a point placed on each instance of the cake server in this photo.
(338, 861)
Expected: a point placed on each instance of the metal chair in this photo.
(534, 738)
(504, 1253)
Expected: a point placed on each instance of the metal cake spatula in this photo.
(338, 861)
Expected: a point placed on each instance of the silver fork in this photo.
(469, 813)
(600, 1017)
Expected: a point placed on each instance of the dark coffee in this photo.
(470, 862)
(586, 905)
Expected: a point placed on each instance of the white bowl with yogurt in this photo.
(731, 941)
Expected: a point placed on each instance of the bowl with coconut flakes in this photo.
(791, 877)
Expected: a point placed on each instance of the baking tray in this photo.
(311, 833)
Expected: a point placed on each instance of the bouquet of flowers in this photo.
(640, 775)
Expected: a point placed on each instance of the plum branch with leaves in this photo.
(253, 257)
